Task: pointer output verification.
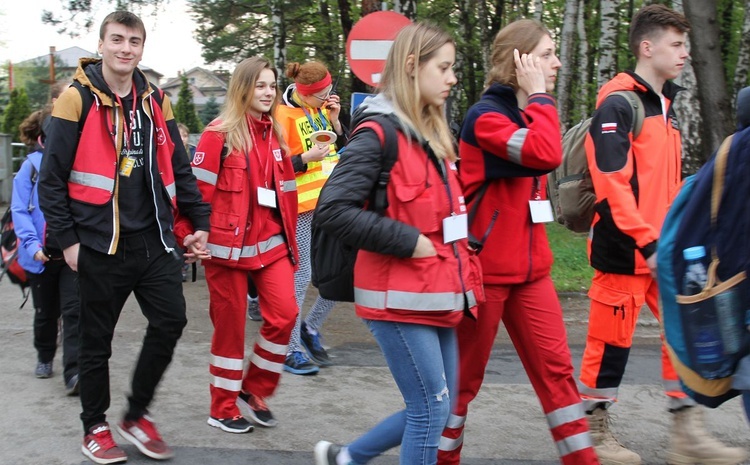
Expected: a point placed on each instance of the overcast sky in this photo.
(170, 45)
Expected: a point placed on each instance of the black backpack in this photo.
(331, 259)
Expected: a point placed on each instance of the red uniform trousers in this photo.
(616, 301)
(227, 289)
(535, 324)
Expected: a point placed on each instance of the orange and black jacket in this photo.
(635, 180)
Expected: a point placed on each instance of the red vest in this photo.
(94, 173)
(430, 290)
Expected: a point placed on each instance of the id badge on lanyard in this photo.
(541, 210)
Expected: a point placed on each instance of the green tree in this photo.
(17, 110)
(184, 111)
(209, 111)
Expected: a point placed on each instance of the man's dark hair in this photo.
(125, 18)
(650, 21)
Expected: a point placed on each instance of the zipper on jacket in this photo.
(151, 144)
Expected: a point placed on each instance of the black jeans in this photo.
(55, 293)
(141, 266)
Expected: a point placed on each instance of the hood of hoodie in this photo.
(631, 81)
(743, 108)
(89, 73)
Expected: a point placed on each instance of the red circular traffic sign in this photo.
(369, 41)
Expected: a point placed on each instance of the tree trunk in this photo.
(327, 50)
(538, 9)
(608, 41)
(584, 77)
(279, 38)
(407, 8)
(716, 110)
(687, 106)
(743, 55)
(566, 57)
(370, 6)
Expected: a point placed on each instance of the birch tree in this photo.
(279, 36)
(743, 55)
(608, 41)
(564, 76)
(583, 61)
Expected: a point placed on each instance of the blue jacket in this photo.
(28, 220)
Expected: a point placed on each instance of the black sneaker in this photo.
(255, 407)
(313, 344)
(238, 424)
(43, 370)
(297, 363)
(326, 453)
(71, 387)
(253, 309)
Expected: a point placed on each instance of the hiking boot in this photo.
(297, 363)
(253, 309)
(100, 447)
(313, 344)
(143, 434)
(43, 370)
(238, 424)
(691, 443)
(326, 453)
(71, 386)
(607, 447)
(255, 407)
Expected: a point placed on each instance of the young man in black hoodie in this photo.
(109, 187)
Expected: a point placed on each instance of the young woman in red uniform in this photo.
(509, 141)
(244, 173)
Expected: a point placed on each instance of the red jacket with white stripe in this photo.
(512, 150)
(245, 234)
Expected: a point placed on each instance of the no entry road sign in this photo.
(369, 42)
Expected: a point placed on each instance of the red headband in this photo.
(309, 89)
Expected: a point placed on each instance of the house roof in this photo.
(177, 81)
(69, 59)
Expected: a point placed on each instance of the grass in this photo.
(571, 271)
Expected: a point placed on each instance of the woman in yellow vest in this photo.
(310, 119)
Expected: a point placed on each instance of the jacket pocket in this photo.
(232, 174)
(417, 207)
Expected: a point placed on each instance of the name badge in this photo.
(126, 166)
(266, 197)
(455, 227)
(541, 211)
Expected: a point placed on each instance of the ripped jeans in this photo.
(423, 360)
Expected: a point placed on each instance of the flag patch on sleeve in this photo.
(609, 128)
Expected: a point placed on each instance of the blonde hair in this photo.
(420, 41)
(232, 119)
(523, 35)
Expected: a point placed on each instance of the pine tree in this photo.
(17, 110)
(209, 111)
(184, 111)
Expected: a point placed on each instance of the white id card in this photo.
(266, 197)
(328, 163)
(541, 211)
(455, 227)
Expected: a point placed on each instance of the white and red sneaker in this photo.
(143, 434)
(100, 447)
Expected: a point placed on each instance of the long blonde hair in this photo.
(232, 119)
(420, 41)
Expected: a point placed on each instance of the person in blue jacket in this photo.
(54, 287)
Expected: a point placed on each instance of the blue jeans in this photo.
(423, 360)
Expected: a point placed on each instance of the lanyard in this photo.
(265, 167)
(126, 129)
(310, 119)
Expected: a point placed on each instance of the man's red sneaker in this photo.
(143, 434)
(100, 447)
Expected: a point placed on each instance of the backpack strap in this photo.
(639, 114)
(386, 131)
(87, 101)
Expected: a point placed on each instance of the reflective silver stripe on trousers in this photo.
(448, 444)
(206, 176)
(289, 186)
(455, 421)
(92, 180)
(417, 301)
(565, 415)
(574, 443)
(268, 346)
(600, 395)
(265, 364)
(171, 190)
(235, 253)
(676, 402)
(226, 363)
(228, 384)
(515, 144)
